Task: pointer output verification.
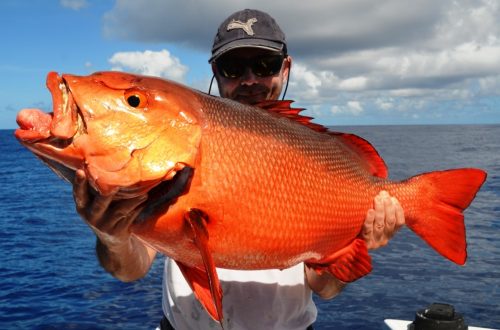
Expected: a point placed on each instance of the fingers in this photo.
(382, 221)
(90, 209)
(80, 191)
(127, 220)
(107, 217)
(380, 214)
(390, 215)
(367, 231)
(400, 215)
(121, 215)
(97, 210)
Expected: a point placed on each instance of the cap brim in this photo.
(247, 43)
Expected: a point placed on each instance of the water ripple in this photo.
(50, 278)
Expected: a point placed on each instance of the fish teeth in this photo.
(64, 93)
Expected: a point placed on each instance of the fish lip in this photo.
(56, 143)
(36, 133)
(44, 136)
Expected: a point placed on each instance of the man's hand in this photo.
(119, 253)
(109, 219)
(383, 221)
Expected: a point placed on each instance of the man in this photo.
(251, 64)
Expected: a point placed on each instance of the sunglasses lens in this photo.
(266, 66)
(262, 66)
(230, 68)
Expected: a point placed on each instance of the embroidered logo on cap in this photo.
(247, 27)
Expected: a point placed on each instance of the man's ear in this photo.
(287, 68)
(214, 68)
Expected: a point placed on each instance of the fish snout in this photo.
(34, 125)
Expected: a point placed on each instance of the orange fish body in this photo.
(267, 185)
(261, 188)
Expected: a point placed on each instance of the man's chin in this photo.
(250, 100)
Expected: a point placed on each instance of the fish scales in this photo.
(246, 187)
(299, 175)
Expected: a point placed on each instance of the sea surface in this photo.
(50, 279)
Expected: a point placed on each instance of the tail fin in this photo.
(439, 219)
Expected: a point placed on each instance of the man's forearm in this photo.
(127, 261)
(324, 285)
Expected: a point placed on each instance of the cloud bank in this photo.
(352, 56)
(152, 63)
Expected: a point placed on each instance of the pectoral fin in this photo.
(347, 264)
(203, 281)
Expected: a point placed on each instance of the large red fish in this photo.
(243, 187)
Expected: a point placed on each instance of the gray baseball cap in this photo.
(248, 28)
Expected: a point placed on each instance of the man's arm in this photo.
(119, 253)
(381, 223)
(325, 284)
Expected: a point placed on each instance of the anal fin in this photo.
(203, 281)
(348, 264)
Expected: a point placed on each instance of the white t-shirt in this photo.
(261, 299)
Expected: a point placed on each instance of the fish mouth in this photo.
(51, 131)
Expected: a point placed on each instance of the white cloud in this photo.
(153, 63)
(335, 110)
(390, 50)
(355, 107)
(305, 83)
(384, 104)
(490, 85)
(353, 84)
(351, 107)
(74, 4)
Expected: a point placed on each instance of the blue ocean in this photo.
(50, 278)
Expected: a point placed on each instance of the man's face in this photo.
(246, 83)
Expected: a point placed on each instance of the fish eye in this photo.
(133, 101)
(136, 99)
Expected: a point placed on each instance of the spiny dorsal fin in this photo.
(284, 109)
(374, 163)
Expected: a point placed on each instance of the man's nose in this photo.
(249, 78)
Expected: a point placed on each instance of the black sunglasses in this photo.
(262, 66)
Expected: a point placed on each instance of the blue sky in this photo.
(355, 61)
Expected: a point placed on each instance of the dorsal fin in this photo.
(374, 163)
(284, 109)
